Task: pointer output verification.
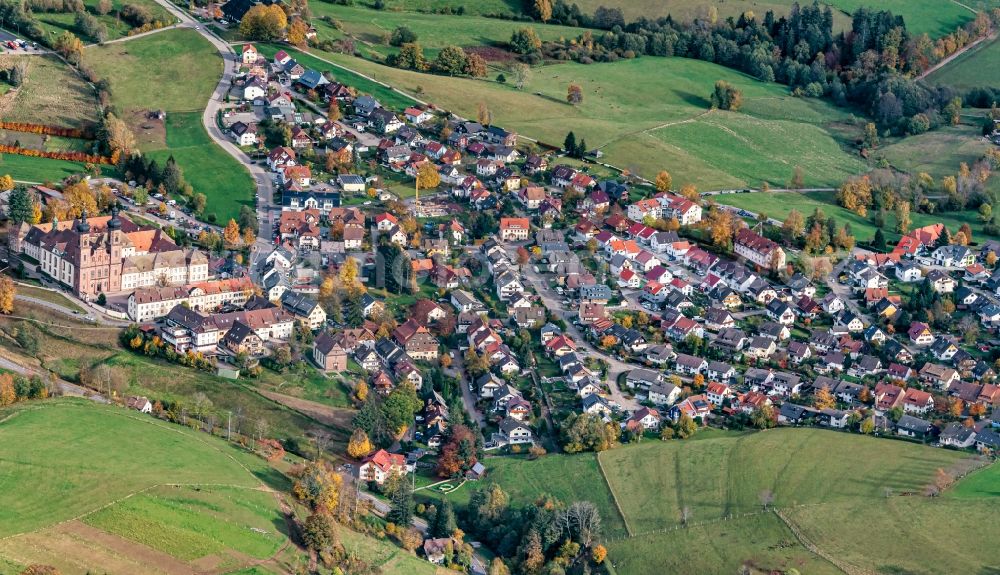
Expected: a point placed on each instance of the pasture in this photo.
(719, 477)
(653, 113)
(71, 470)
(934, 18)
(762, 543)
(778, 205)
(434, 31)
(979, 67)
(52, 94)
(714, 478)
(177, 71)
(903, 534)
(206, 166)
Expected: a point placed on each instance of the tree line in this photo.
(873, 64)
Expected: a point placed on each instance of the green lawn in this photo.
(718, 477)
(55, 23)
(762, 543)
(32, 169)
(189, 523)
(777, 205)
(975, 68)
(904, 534)
(177, 71)
(981, 484)
(207, 167)
(652, 113)
(57, 460)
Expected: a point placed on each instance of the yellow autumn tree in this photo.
(231, 234)
(7, 393)
(663, 181)
(8, 291)
(428, 176)
(6, 183)
(359, 445)
(81, 199)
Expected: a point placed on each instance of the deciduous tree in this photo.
(359, 446)
(264, 23)
(574, 94)
(231, 234)
(664, 181)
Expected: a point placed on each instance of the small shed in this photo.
(476, 473)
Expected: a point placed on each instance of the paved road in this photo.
(381, 508)
(551, 300)
(260, 174)
(457, 370)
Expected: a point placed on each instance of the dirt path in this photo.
(944, 62)
(322, 413)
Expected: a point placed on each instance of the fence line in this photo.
(614, 496)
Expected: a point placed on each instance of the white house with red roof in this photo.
(385, 221)
(417, 116)
(382, 465)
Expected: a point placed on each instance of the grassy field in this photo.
(762, 543)
(934, 18)
(177, 71)
(975, 68)
(72, 472)
(55, 23)
(938, 153)
(192, 522)
(718, 477)
(777, 205)
(903, 534)
(567, 477)
(41, 170)
(722, 475)
(650, 113)
(52, 94)
(434, 31)
(47, 295)
(207, 167)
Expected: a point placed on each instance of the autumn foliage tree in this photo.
(664, 181)
(458, 454)
(317, 486)
(264, 23)
(359, 445)
(8, 291)
(428, 176)
(231, 234)
(574, 94)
